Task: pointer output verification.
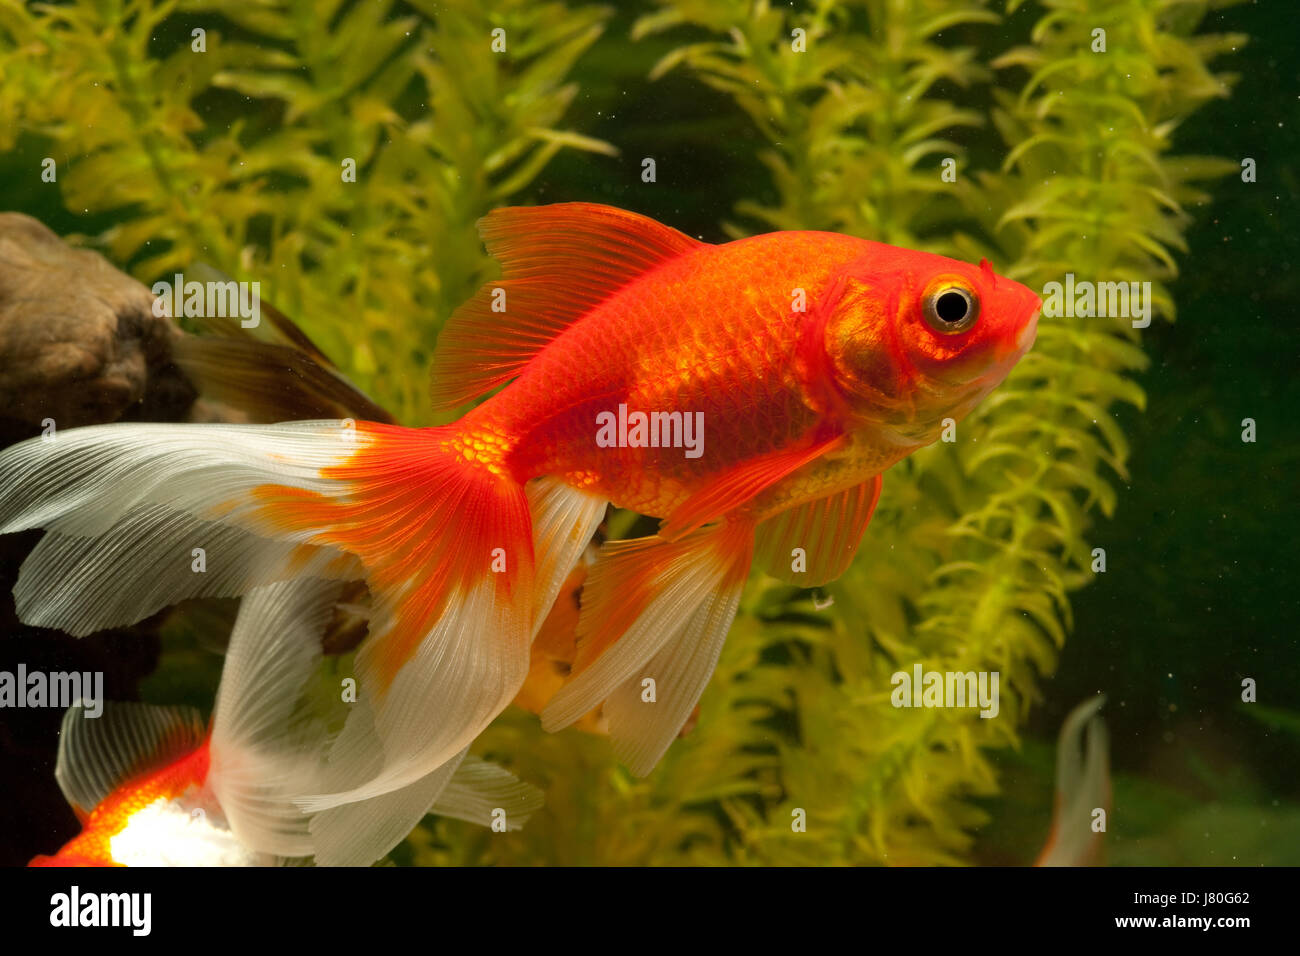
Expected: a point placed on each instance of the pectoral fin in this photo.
(731, 489)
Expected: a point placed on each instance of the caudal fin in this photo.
(267, 747)
(141, 516)
(269, 750)
(391, 762)
(464, 787)
(461, 561)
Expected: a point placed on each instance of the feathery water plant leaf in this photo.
(437, 127)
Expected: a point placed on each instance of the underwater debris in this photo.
(1082, 796)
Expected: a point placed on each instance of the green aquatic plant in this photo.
(842, 96)
(236, 157)
(339, 153)
(976, 544)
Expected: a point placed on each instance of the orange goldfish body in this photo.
(749, 394)
(153, 787)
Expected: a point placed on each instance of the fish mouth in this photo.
(1025, 339)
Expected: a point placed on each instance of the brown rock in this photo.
(79, 342)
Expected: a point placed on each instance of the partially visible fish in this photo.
(1082, 788)
(153, 787)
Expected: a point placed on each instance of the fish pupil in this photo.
(951, 307)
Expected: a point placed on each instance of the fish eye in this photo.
(951, 309)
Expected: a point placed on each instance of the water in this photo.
(1198, 594)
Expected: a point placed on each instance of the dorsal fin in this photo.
(279, 329)
(557, 263)
(272, 371)
(98, 754)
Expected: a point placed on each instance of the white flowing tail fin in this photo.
(1082, 788)
(141, 516)
(442, 663)
(267, 751)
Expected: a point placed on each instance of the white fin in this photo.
(145, 562)
(98, 754)
(684, 589)
(564, 522)
(1082, 787)
(464, 671)
(123, 503)
(466, 788)
(642, 730)
(264, 752)
(479, 788)
(459, 676)
(125, 506)
(361, 832)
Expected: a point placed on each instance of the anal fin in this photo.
(641, 729)
(827, 532)
(653, 605)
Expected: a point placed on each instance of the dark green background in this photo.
(1201, 588)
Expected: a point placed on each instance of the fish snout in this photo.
(1028, 333)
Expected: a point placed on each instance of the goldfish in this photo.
(154, 786)
(748, 394)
